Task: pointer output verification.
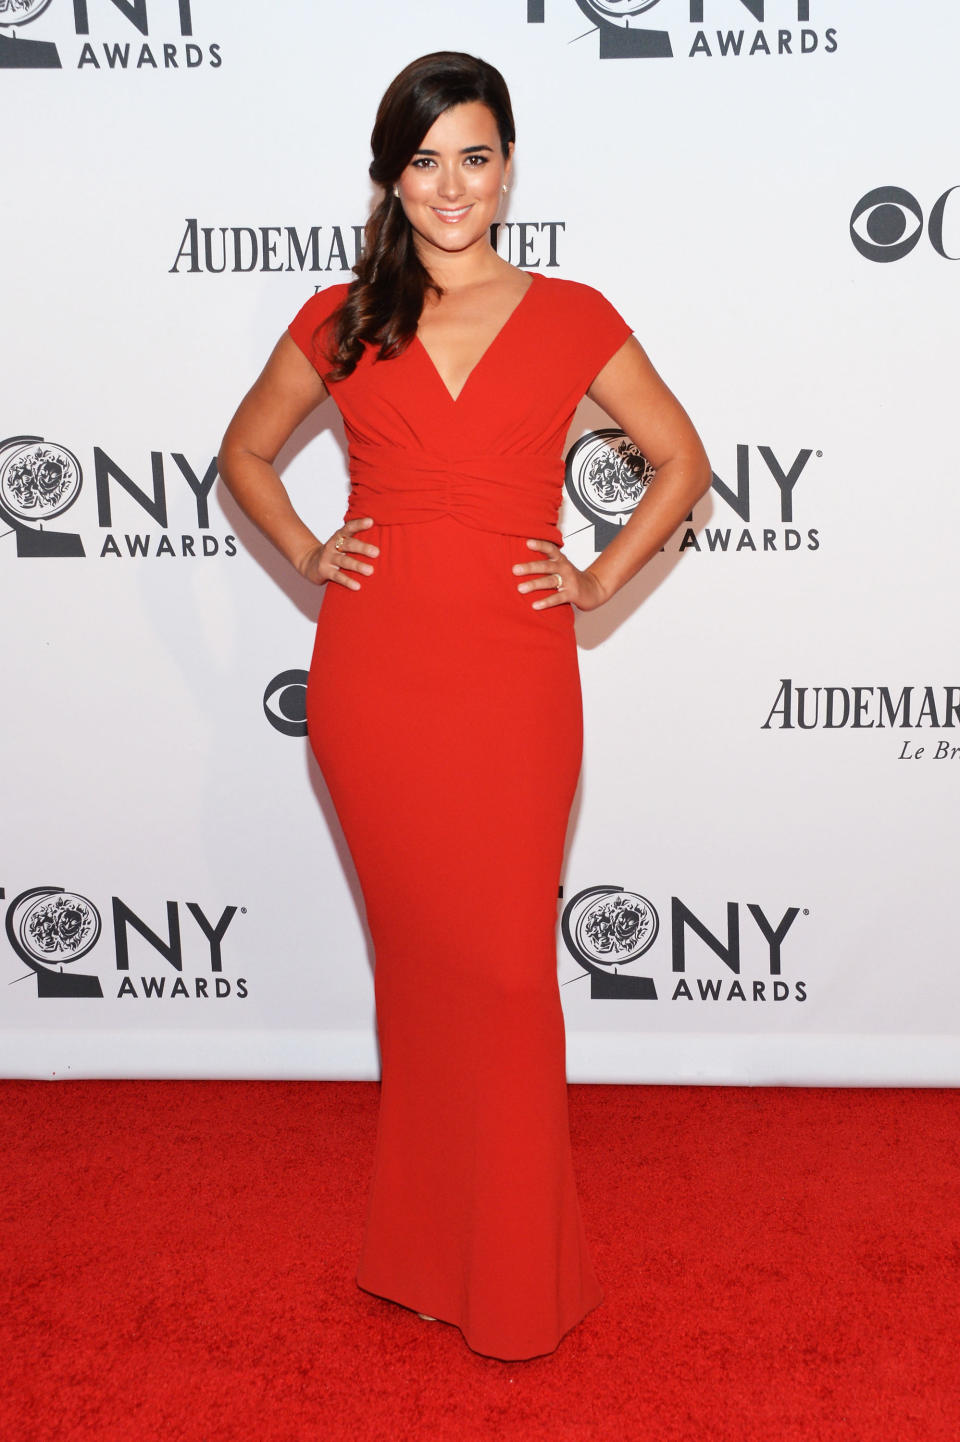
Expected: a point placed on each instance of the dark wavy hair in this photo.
(383, 305)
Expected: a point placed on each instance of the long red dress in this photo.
(445, 714)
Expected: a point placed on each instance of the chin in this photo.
(456, 237)
(461, 241)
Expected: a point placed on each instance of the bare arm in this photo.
(283, 395)
(634, 396)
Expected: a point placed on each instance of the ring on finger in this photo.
(559, 580)
(339, 544)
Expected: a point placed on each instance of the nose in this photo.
(449, 181)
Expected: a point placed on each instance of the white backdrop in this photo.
(759, 881)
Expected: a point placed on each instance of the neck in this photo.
(456, 270)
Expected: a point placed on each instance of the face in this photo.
(453, 186)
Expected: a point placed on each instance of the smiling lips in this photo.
(450, 217)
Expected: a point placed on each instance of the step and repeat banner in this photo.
(760, 877)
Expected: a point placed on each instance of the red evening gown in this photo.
(445, 714)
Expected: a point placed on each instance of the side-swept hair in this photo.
(383, 305)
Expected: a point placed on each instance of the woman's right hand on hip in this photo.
(338, 557)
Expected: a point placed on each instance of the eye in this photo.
(288, 695)
(421, 162)
(477, 160)
(880, 224)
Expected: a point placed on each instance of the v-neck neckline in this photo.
(455, 399)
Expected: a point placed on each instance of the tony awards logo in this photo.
(607, 928)
(38, 481)
(606, 477)
(50, 929)
(620, 36)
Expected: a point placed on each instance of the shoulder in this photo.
(321, 306)
(578, 301)
(562, 286)
(312, 315)
(581, 329)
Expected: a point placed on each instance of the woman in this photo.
(443, 701)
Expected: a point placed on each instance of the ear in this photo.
(508, 163)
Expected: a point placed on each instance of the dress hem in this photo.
(480, 1351)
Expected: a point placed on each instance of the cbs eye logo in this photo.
(285, 703)
(887, 224)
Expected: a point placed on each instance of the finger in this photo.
(356, 544)
(342, 579)
(360, 548)
(538, 568)
(349, 563)
(351, 540)
(547, 581)
(556, 598)
(540, 583)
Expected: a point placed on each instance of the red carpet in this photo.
(780, 1264)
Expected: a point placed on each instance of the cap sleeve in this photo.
(601, 331)
(305, 328)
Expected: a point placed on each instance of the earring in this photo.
(505, 189)
(396, 193)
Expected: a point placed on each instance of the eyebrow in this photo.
(467, 150)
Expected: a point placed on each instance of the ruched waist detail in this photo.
(516, 495)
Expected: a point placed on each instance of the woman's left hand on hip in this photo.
(556, 581)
